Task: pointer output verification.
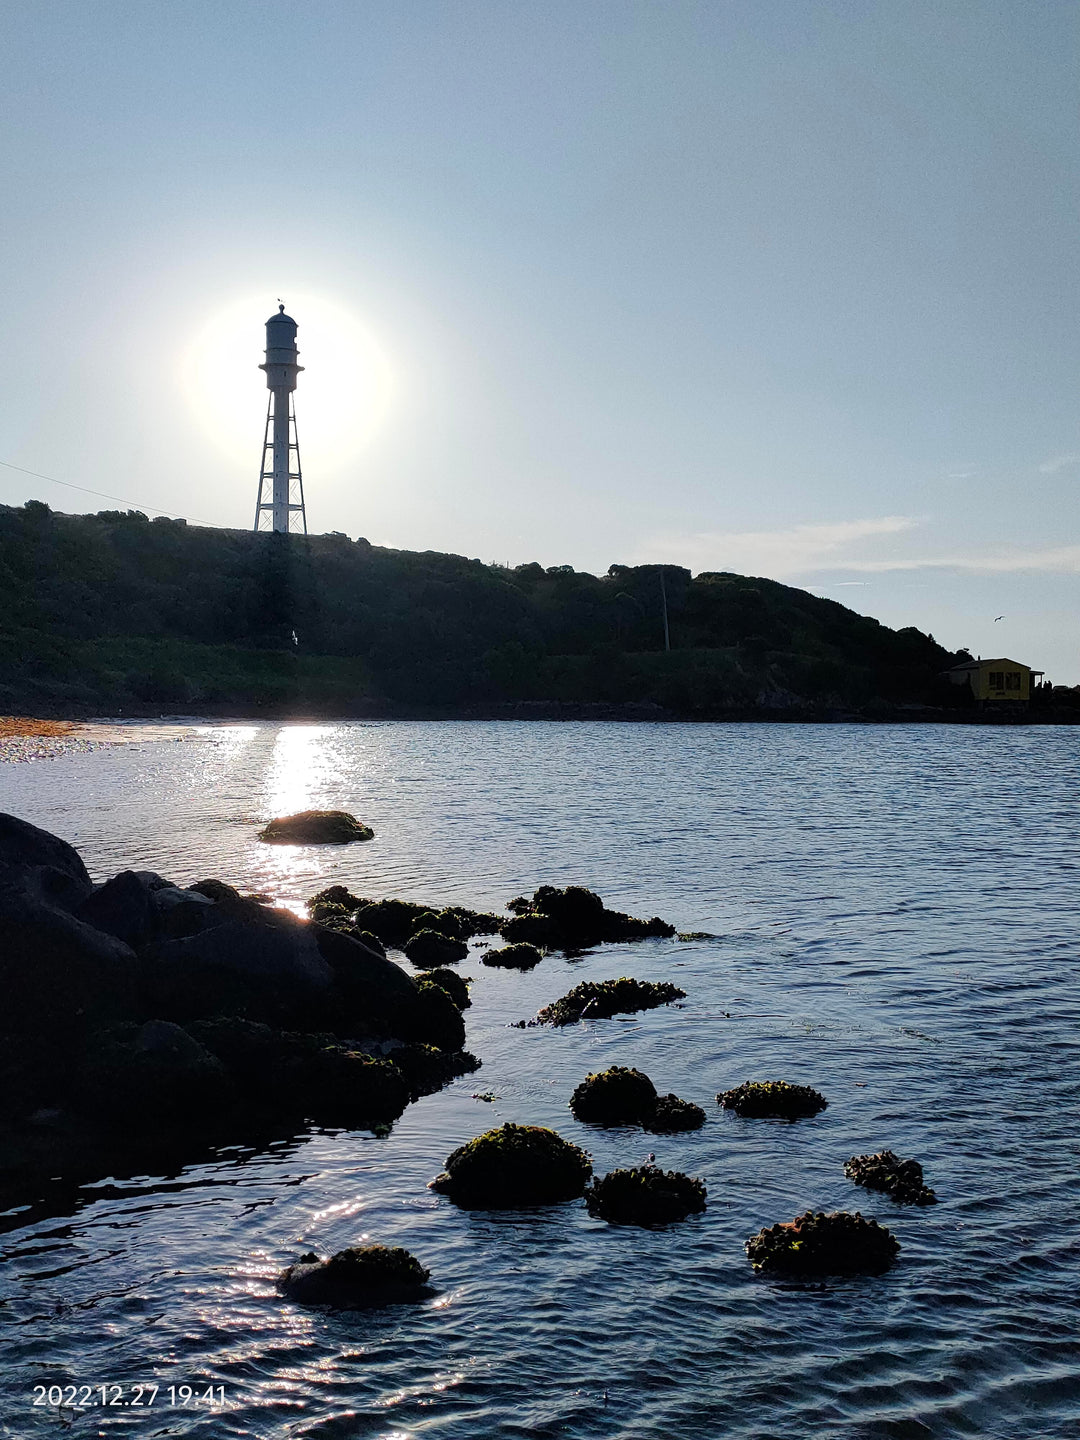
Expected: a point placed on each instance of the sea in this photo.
(894, 912)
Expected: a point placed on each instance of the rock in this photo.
(358, 1278)
(594, 1000)
(434, 1018)
(772, 1098)
(614, 1097)
(820, 1244)
(139, 907)
(58, 975)
(426, 1068)
(901, 1180)
(513, 1167)
(218, 891)
(514, 957)
(315, 827)
(341, 896)
(271, 970)
(627, 1097)
(647, 1196)
(317, 1077)
(430, 948)
(452, 983)
(670, 1116)
(152, 1075)
(23, 845)
(393, 921)
(574, 919)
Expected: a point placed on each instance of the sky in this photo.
(783, 287)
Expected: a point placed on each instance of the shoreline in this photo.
(24, 738)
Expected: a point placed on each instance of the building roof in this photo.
(979, 664)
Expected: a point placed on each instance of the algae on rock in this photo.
(599, 1000)
(772, 1099)
(818, 1244)
(513, 1167)
(646, 1196)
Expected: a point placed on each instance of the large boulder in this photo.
(57, 974)
(152, 1075)
(512, 1167)
(432, 949)
(269, 969)
(23, 845)
(139, 907)
(901, 1180)
(358, 1278)
(315, 827)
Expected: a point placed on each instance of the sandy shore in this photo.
(24, 738)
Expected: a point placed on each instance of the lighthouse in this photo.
(280, 506)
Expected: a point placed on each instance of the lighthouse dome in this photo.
(281, 318)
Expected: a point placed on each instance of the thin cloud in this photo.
(793, 551)
(1059, 462)
(1061, 560)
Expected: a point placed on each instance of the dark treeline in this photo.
(116, 610)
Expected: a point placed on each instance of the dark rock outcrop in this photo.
(901, 1180)
(820, 1244)
(452, 983)
(359, 1278)
(512, 1167)
(513, 957)
(647, 1196)
(772, 1099)
(152, 1074)
(670, 1116)
(431, 948)
(574, 919)
(315, 827)
(598, 1000)
(618, 1096)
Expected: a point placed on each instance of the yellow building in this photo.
(992, 681)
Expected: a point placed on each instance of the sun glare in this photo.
(342, 397)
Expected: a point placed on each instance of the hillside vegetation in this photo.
(117, 611)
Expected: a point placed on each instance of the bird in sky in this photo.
(998, 617)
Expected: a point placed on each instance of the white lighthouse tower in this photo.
(280, 505)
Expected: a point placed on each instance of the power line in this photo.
(101, 494)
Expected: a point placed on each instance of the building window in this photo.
(1012, 680)
(997, 679)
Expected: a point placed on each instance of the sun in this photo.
(342, 398)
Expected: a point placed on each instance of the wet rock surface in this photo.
(315, 827)
(646, 1196)
(772, 1099)
(599, 1000)
(513, 1167)
(359, 1278)
(432, 948)
(815, 1243)
(670, 1116)
(622, 1096)
(901, 1180)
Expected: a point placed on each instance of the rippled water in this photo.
(898, 910)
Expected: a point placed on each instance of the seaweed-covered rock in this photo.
(646, 1196)
(435, 1018)
(452, 983)
(818, 1244)
(357, 1278)
(391, 920)
(671, 1116)
(901, 1180)
(618, 1096)
(512, 1167)
(597, 1000)
(772, 1099)
(513, 957)
(574, 919)
(426, 1068)
(315, 827)
(430, 948)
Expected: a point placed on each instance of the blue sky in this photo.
(785, 287)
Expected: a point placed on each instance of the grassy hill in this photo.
(115, 611)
